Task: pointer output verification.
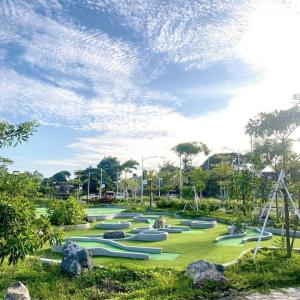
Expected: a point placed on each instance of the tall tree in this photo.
(279, 124)
(128, 167)
(111, 166)
(186, 152)
(61, 176)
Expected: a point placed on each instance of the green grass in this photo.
(271, 269)
(191, 247)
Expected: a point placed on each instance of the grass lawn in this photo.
(192, 246)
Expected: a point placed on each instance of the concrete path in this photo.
(282, 294)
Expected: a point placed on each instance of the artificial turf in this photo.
(191, 247)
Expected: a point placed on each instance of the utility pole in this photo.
(89, 181)
(159, 181)
(101, 180)
(150, 192)
(142, 178)
(117, 182)
(180, 178)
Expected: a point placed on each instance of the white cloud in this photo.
(132, 120)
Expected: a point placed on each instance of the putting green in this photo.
(238, 241)
(161, 256)
(100, 211)
(93, 211)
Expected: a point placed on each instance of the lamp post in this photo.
(238, 153)
(142, 176)
(88, 187)
(151, 195)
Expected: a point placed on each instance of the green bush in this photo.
(21, 231)
(109, 282)
(66, 212)
(170, 203)
(270, 269)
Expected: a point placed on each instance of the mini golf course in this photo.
(178, 250)
(100, 247)
(238, 241)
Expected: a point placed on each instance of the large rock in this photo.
(17, 291)
(114, 235)
(75, 259)
(202, 270)
(159, 223)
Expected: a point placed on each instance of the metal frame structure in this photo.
(194, 206)
(278, 186)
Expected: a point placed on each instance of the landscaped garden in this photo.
(194, 240)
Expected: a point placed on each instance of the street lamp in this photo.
(89, 182)
(238, 156)
(142, 177)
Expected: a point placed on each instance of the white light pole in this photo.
(142, 176)
(88, 187)
(238, 156)
(101, 179)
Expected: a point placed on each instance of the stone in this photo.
(75, 259)
(17, 291)
(159, 223)
(202, 270)
(210, 274)
(114, 235)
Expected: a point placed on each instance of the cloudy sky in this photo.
(131, 78)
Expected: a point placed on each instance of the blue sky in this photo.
(132, 78)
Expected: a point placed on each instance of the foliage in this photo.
(243, 186)
(279, 125)
(111, 166)
(169, 174)
(188, 150)
(173, 204)
(109, 282)
(22, 184)
(271, 269)
(66, 212)
(11, 135)
(199, 178)
(61, 176)
(21, 232)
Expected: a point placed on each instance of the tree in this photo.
(186, 152)
(199, 178)
(11, 135)
(69, 212)
(243, 186)
(169, 174)
(23, 184)
(278, 125)
(111, 166)
(21, 231)
(128, 167)
(223, 171)
(61, 176)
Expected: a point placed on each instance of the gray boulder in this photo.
(159, 222)
(75, 259)
(17, 291)
(202, 270)
(114, 235)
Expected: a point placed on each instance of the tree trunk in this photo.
(286, 207)
(277, 210)
(287, 224)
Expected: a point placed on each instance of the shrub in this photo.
(21, 231)
(66, 212)
(170, 203)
